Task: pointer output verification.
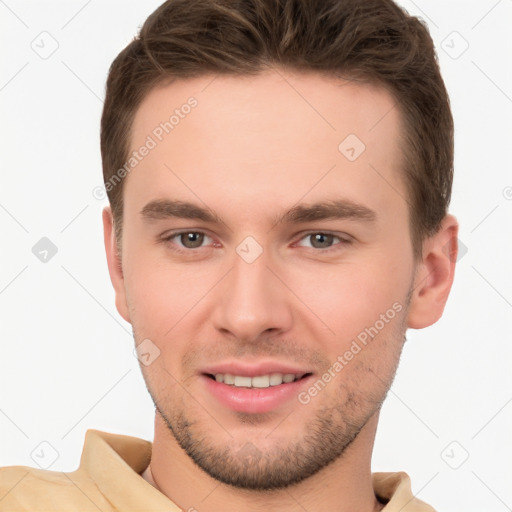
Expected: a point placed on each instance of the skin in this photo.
(252, 149)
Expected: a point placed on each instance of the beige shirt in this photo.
(109, 479)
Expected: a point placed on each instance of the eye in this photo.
(186, 239)
(321, 240)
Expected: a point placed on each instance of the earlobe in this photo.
(434, 276)
(114, 263)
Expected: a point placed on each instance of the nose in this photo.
(252, 301)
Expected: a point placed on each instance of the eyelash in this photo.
(343, 241)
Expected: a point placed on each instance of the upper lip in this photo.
(254, 369)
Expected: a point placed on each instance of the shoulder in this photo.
(24, 488)
(394, 489)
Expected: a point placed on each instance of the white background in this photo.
(66, 362)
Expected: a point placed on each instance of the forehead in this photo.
(272, 137)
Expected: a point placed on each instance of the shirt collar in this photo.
(115, 463)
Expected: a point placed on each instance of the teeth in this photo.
(260, 381)
(242, 382)
(276, 379)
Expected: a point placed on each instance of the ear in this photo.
(434, 275)
(115, 268)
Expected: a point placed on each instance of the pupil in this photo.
(321, 238)
(192, 240)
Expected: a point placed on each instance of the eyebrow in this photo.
(325, 210)
(161, 209)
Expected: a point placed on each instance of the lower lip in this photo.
(254, 400)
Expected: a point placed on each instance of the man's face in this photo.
(250, 296)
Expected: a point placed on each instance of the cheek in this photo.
(349, 297)
(161, 293)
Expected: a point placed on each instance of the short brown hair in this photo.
(372, 40)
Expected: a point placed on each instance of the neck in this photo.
(344, 485)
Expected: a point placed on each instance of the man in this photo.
(279, 174)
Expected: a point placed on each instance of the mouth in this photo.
(257, 394)
(258, 381)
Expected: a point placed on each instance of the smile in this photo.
(255, 395)
(258, 381)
